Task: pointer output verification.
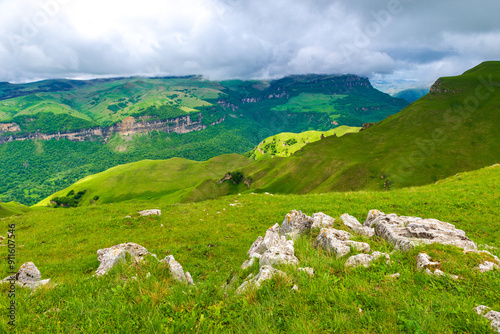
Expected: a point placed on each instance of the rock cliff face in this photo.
(129, 126)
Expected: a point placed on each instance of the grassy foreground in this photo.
(210, 239)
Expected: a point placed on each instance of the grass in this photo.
(210, 239)
(12, 208)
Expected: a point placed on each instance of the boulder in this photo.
(109, 257)
(337, 242)
(265, 273)
(150, 212)
(320, 220)
(372, 214)
(352, 223)
(176, 270)
(282, 252)
(365, 260)
(262, 244)
(28, 276)
(407, 232)
(487, 313)
(295, 224)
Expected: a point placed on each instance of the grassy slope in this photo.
(210, 239)
(425, 142)
(12, 208)
(282, 144)
(151, 179)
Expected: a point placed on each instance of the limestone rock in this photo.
(295, 223)
(262, 244)
(372, 214)
(281, 252)
(407, 232)
(352, 223)
(150, 212)
(424, 261)
(295, 288)
(365, 260)
(487, 266)
(248, 263)
(487, 313)
(265, 273)
(176, 270)
(337, 242)
(109, 257)
(28, 276)
(320, 220)
(307, 270)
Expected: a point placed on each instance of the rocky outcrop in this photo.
(320, 220)
(405, 233)
(337, 242)
(366, 260)
(28, 276)
(265, 273)
(262, 244)
(281, 252)
(295, 224)
(153, 212)
(109, 257)
(9, 127)
(489, 314)
(177, 271)
(352, 223)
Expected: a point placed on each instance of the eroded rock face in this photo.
(150, 212)
(320, 220)
(352, 223)
(365, 260)
(109, 257)
(338, 243)
(372, 214)
(407, 232)
(265, 273)
(28, 276)
(295, 224)
(487, 313)
(176, 270)
(282, 252)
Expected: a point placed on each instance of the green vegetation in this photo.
(11, 209)
(210, 239)
(411, 95)
(285, 144)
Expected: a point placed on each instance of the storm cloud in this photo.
(407, 42)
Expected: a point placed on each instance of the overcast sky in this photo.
(403, 42)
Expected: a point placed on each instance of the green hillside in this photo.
(148, 179)
(210, 239)
(249, 112)
(285, 144)
(11, 209)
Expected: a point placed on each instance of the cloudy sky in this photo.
(393, 42)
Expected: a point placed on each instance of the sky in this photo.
(396, 43)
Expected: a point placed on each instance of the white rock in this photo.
(265, 273)
(307, 270)
(295, 223)
(365, 260)
(338, 243)
(28, 276)
(320, 220)
(248, 263)
(295, 288)
(109, 257)
(189, 279)
(487, 266)
(407, 232)
(262, 244)
(424, 260)
(372, 214)
(396, 275)
(487, 313)
(352, 223)
(150, 212)
(281, 252)
(176, 270)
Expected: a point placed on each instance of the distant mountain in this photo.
(54, 132)
(411, 95)
(454, 128)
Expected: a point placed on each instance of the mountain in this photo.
(55, 132)
(12, 208)
(411, 95)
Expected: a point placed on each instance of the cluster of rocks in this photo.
(109, 257)
(28, 276)
(431, 268)
(487, 313)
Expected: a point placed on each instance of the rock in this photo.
(262, 244)
(395, 276)
(150, 212)
(487, 266)
(372, 214)
(226, 286)
(352, 223)
(265, 273)
(248, 263)
(407, 232)
(320, 220)
(28, 276)
(337, 242)
(176, 270)
(189, 279)
(295, 288)
(487, 313)
(424, 261)
(109, 257)
(307, 270)
(281, 252)
(295, 224)
(365, 260)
